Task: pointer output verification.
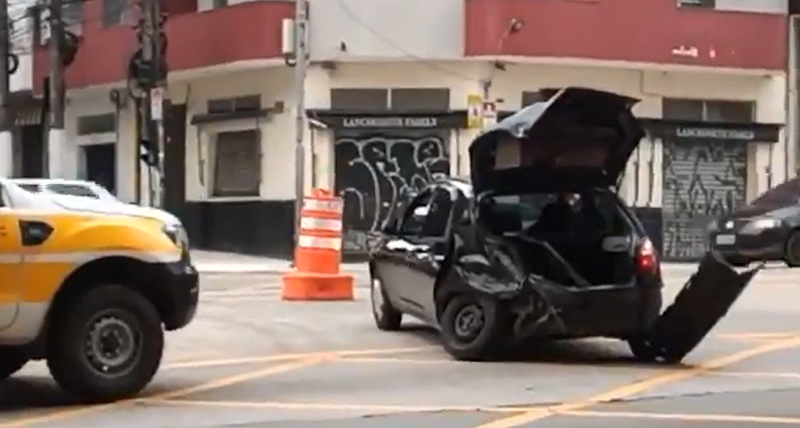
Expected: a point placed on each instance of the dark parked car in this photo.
(537, 244)
(767, 229)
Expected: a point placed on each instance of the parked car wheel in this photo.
(386, 317)
(791, 252)
(11, 362)
(472, 327)
(109, 344)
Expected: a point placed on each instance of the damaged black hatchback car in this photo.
(537, 244)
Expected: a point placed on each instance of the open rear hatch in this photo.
(578, 137)
(704, 300)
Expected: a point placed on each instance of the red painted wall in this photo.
(633, 30)
(239, 32)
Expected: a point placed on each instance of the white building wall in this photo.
(277, 130)
(462, 78)
(69, 163)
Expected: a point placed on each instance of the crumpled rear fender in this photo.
(486, 265)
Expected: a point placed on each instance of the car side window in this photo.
(438, 217)
(71, 190)
(416, 213)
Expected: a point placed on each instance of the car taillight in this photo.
(646, 257)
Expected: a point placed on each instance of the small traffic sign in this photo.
(157, 103)
(489, 113)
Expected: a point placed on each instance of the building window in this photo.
(114, 12)
(532, 97)
(236, 163)
(237, 104)
(216, 4)
(709, 110)
(362, 99)
(710, 4)
(420, 99)
(96, 124)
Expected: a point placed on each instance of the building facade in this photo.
(387, 105)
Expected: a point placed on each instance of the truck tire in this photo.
(106, 344)
(10, 363)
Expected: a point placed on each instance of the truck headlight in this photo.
(756, 226)
(177, 234)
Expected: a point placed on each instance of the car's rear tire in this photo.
(791, 250)
(472, 327)
(107, 345)
(387, 318)
(11, 362)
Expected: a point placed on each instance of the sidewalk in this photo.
(219, 262)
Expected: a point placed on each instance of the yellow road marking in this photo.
(401, 360)
(288, 357)
(687, 417)
(305, 360)
(760, 336)
(631, 389)
(776, 375)
(382, 408)
(389, 408)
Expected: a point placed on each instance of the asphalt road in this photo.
(251, 359)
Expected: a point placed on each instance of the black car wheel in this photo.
(11, 362)
(791, 252)
(108, 344)
(471, 327)
(386, 317)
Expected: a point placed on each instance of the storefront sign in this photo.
(390, 122)
(722, 134)
(748, 132)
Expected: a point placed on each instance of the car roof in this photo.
(52, 181)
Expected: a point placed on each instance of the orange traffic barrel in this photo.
(318, 252)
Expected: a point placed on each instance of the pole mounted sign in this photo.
(157, 103)
(489, 113)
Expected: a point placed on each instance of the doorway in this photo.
(100, 165)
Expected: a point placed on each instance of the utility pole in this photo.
(56, 135)
(153, 108)
(6, 150)
(300, 70)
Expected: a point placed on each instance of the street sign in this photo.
(474, 113)
(489, 113)
(157, 103)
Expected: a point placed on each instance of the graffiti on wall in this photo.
(375, 172)
(702, 180)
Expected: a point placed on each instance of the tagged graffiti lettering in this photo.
(701, 182)
(373, 173)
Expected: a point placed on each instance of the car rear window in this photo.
(34, 188)
(71, 190)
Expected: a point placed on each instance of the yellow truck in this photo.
(89, 293)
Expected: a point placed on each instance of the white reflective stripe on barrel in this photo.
(311, 223)
(322, 205)
(306, 241)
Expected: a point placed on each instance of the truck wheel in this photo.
(386, 317)
(10, 363)
(472, 328)
(107, 344)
